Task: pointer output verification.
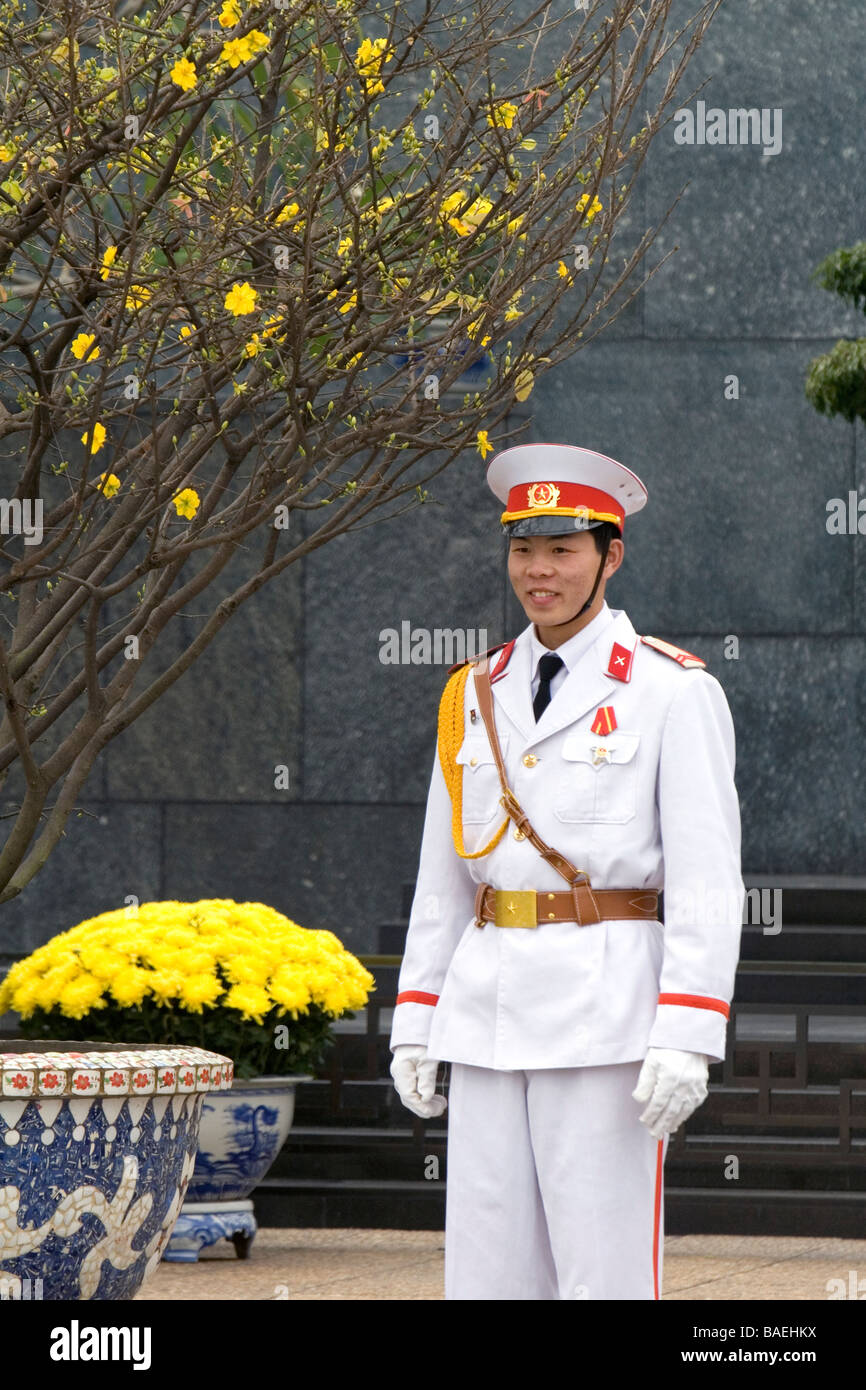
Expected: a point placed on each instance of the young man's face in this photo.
(553, 576)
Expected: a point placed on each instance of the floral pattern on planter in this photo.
(129, 1072)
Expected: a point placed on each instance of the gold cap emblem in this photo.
(542, 495)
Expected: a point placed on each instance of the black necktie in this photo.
(547, 669)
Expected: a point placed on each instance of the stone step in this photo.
(767, 1160)
(420, 1205)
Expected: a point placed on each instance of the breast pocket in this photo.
(481, 786)
(599, 777)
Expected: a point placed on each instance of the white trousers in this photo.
(555, 1188)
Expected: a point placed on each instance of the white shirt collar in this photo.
(576, 646)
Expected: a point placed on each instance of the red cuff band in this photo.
(696, 1001)
(417, 996)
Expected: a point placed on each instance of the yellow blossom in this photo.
(80, 345)
(165, 984)
(241, 299)
(187, 502)
(383, 143)
(251, 1000)
(523, 384)
(229, 14)
(137, 297)
(108, 261)
(197, 990)
(503, 115)
(563, 271)
(27, 995)
(289, 991)
(237, 51)
(323, 141)
(186, 330)
(382, 206)
(183, 74)
(291, 210)
(369, 58)
(591, 212)
(110, 483)
(130, 985)
(483, 444)
(61, 53)
(255, 345)
(271, 325)
(102, 961)
(98, 438)
(81, 995)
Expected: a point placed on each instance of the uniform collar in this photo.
(571, 651)
(587, 685)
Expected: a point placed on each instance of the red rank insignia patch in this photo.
(604, 721)
(502, 661)
(619, 665)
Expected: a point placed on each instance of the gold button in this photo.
(551, 915)
(530, 760)
(473, 762)
(550, 895)
(519, 835)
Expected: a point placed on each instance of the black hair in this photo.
(606, 530)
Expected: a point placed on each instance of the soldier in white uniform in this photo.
(578, 1028)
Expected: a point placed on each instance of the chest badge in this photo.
(600, 754)
(604, 721)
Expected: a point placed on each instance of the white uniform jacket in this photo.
(656, 808)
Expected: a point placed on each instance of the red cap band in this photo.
(562, 499)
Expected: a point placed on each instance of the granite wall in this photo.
(733, 543)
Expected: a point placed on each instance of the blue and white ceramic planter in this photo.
(97, 1146)
(242, 1131)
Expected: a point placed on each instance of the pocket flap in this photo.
(476, 752)
(599, 749)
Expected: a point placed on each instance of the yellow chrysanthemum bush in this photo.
(239, 978)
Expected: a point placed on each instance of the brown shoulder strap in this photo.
(556, 860)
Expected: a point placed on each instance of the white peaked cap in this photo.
(544, 481)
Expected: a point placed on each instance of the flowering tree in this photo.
(247, 251)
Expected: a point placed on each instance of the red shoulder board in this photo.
(675, 653)
(498, 669)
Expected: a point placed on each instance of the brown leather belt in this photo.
(581, 904)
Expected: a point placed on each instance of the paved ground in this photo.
(360, 1264)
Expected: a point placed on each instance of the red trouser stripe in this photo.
(657, 1215)
(696, 1001)
(417, 996)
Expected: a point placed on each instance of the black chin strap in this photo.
(588, 604)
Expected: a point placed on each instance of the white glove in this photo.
(674, 1084)
(414, 1076)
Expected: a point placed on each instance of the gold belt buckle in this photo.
(515, 909)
